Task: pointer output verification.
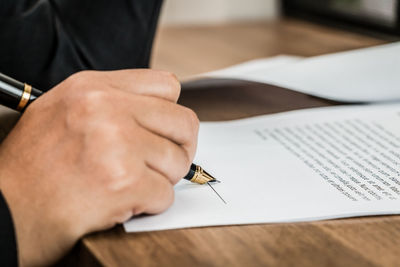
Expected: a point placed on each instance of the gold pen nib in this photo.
(203, 177)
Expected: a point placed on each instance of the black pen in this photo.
(18, 96)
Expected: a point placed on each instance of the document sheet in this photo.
(362, 75)
(253, 69)
(302, 165)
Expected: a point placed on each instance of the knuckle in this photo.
(193, 122)
(123, 179)
(85, 103)
(184, 168)
(80, 108)
(92, 99)
(168, 154)
(191, 130)
(185, 164)
(132, 182)
(173, 84)
(109, 134)
(110, 129)
(176, 161)
(169, 75)
(136, 178)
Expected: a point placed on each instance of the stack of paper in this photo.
(363, 75)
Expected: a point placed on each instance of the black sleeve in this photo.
(8, 245)
(44, 41)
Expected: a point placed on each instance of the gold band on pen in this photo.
(26, 95)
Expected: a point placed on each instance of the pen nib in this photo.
(202, 177)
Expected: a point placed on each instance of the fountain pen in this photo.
(17, 95)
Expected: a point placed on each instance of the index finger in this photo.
(154, 83)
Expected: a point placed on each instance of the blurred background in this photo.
(178, 12)
(199, 36)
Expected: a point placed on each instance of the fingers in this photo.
(159, 84)
(174, 122)
(150, 189)
(167, 158)
(151, 194)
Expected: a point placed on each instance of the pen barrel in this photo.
(35, 93)
(12, 92)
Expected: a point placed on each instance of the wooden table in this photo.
(191, 50)
(370, 241)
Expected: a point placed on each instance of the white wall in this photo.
(217, 11)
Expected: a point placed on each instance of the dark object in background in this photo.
(372, 15)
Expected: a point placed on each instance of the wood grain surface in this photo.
(191, 50)
(372, 241)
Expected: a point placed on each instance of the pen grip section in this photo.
(191, 172)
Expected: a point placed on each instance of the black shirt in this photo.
(42, 42)
(8, 246)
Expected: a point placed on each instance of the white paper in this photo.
(362, 75)
(253, 68)
(340, 162)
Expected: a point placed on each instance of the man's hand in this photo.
(95, 150)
